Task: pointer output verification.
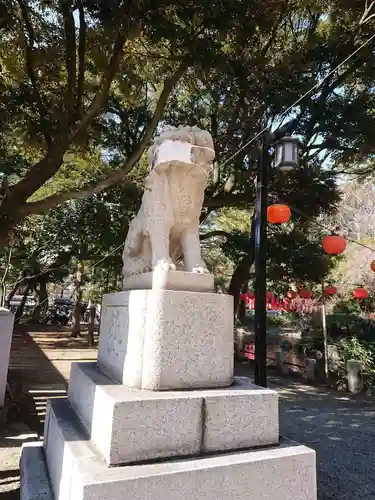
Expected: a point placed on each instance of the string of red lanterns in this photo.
(360, 294)
(306, 294)
(278, 213)
(330, 290)
(333, 244)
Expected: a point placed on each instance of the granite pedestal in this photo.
(6, 331)
(162, 340)
(159, 416)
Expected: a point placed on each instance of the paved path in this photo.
(40, 362)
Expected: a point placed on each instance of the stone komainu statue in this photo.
(167, 224)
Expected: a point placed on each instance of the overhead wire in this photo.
(323, 226)
(314, 87)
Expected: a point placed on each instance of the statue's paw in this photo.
(201, 270)
(165, 265)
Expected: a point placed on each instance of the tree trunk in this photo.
(21, 307)
(240, 276)
(77, 312)
(12, 293)
(91, 326)
(241, 314)
(42, 300)
(242, 272)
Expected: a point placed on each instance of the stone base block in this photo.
(242, 416)
(6, 331)
(170, 280)
(286, 472)
(163, 340)
(35, 483)
(132, 425)
(128, 425)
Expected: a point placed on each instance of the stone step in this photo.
(129, 425)
(284, 472)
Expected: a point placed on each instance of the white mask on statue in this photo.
(178, 151)
(173, 151)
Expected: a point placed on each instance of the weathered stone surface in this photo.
(310, 369)
(242, 416)
(6, 331)
(167, 224)
(286, 472)
(170, 280)
(355, 378)
(122, 334)
(128, 425)
(132, 425)
(35, 484)
(281, 365)
(163, 340)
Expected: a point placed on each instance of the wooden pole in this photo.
(325, 339)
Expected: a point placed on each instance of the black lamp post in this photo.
(285, 160)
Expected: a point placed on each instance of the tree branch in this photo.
(38, 207)
(70, 55)
(81, 57)
(50, 164)
(228, 200)
(29, 60)
(120, 173)
(213, 234)
(274, 29)
(105, 84)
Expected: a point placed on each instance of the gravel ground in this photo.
(341, 429)
(11, 438)
(338, 426)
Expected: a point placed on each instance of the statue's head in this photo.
(182, 146)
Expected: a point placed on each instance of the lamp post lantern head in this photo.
(287, 154)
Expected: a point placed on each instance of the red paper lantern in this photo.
(304, 293)
(278, 214)
(334, 244)
(330, 290)
(360, 293)
(373, 266)
(291, 294)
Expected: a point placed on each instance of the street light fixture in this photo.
(286, 159)
(287, 153)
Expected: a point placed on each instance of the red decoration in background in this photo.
(304, 293)
(291, 294)
(274, 303)
(278, 214)
(334, 244)
(360, 293)
(330, 290)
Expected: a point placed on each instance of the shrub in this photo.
(354, 348)
(350, 325)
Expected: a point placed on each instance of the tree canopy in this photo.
(86, 83)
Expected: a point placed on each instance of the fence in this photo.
(286, 361)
